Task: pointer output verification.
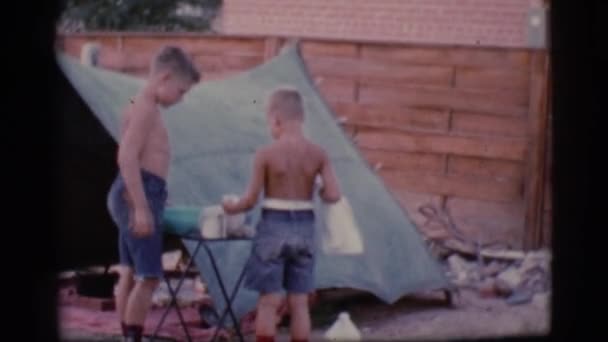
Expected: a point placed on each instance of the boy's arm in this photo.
(330, 191)
(129, 163)
(248, 200)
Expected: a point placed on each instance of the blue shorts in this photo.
(144, 255)
(283, 253)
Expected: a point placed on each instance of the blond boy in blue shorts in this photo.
(283, 253)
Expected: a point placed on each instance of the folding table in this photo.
(202, 242)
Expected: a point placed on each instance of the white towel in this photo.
(342, 234)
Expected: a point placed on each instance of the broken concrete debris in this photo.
(514, 275)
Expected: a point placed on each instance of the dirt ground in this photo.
(421, 317)
(428, 317)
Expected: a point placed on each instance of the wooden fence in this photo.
(460, 127)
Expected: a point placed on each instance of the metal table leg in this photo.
(229, 306)
(227, 299)
(173, 294)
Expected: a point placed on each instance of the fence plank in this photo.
(464, 187)
(221, 63)
(538, 121)
(489, 125)
(403, 161)
(394, 117)
(485, 168)
(459, 56)
(379, 70)
(493, 78)
(310, 49)
(489, 221)
(199, 45)
(508, 149)
(491, 102)
(337, 89)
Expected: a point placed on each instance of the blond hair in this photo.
(286, 102)
(176, 60)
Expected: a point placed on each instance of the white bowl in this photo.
(211, 222)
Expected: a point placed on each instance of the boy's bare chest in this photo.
(157, 139)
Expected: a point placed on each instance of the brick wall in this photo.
(504, 23)
(444, 125)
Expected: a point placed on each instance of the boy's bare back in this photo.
(291, 168)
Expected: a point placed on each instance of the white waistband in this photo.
(282, 204)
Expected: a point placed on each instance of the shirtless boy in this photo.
(282, 256)
(137, 197)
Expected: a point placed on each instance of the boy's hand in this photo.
(229, 205)
(143, 222)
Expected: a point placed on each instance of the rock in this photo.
(537, 280)
(437, 234)
(503, 254)
(171, 260)
(543, 254)
(487, 288)
(459, 247)
(188, 283)
(161, 299)
(511, 277)
(459, 269)
(199, 286)
(520, 296)
(492, 269)
(184, 302)
(457, 263)
(438, 250)
(473, 275)
(502, 288)
(535, 260)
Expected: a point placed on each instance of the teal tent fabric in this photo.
(214, 132)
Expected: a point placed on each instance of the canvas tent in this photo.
(214, 132)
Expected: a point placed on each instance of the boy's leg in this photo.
(147, 254)
(119, 211)
(299, 282)
(147, 273)
(300, 316)
(139, 301)
(147, 258)
(266, 317)
(123, 289)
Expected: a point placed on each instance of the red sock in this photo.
(123, 327)
(264, 339)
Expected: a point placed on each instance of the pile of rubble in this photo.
(192, 293)
(492, 269)
(516, 276)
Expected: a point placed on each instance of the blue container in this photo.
(181, 220)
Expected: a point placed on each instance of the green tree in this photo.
(139, 15)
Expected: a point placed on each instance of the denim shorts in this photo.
(283, 254)
(144, 255)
